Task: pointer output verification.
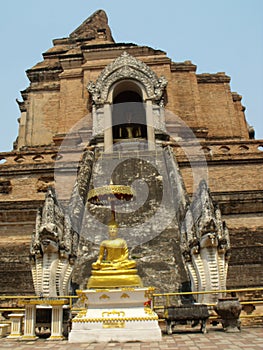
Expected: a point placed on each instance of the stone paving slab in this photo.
(215, 339)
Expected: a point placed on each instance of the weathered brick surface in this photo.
(57, 99)
(204, 100)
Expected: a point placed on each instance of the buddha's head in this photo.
(113, 229)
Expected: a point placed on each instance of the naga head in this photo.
(49, 246)
(48, 239)
(209, 240)
(194, 246)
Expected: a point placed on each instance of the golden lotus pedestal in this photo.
(119, 315)
(114, 279)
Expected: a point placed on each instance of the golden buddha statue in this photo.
(113, 268)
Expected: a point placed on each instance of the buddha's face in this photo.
(113, 232)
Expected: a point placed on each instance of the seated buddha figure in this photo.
(113, 253)
(113, 267)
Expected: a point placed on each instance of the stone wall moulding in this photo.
(127, 67)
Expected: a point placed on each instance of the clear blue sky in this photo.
(217, 36)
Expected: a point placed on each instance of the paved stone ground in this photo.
(215, 339)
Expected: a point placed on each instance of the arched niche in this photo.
(129, 80)
(128, 111)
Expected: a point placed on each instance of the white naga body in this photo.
(53, 250)
(205, 246)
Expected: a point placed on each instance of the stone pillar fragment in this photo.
(56, 322)
(30, 323)
(150, 129)
(108, 138)
(16, 325)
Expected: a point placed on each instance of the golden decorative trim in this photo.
(82, 313)
(114, 312)
(124, 296)
(109, 273)
(104, 296)
(15, 335)
(102, 290)
(100, 319)
(56, 337)
(149, 311)
(113, 324)
(128, 289)
(44, 301)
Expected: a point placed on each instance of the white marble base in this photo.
(119, 335)
(115, 315)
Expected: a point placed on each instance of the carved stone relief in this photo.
(205, 245)
(53, 249)
(127, 67)
(98, 121)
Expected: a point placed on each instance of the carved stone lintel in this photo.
(127, 67)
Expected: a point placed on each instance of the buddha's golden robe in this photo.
(113, 256)
(113, 269)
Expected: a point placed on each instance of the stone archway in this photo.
(126, 69)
